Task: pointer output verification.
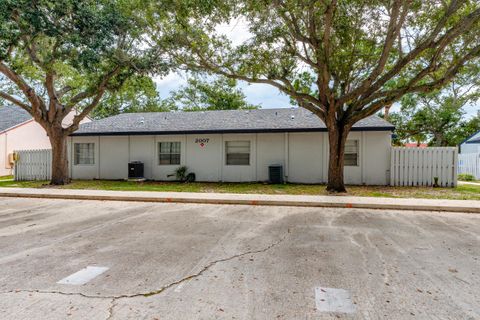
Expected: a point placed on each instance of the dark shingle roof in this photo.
(474, 141)
(234, 121)
(10, 116)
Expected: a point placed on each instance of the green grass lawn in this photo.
(6, 177)
(462, 192)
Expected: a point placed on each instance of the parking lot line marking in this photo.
(83, 276)
(333, 300)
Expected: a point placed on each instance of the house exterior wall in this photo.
(470, 147)
(29, 135)
(3, 156)
(304, 157)
(26, 136)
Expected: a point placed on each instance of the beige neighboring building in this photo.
(18, 131)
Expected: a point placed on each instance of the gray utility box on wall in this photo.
(275, 173)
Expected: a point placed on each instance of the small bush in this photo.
(181, 172)
(466, 177)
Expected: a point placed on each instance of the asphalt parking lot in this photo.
(187, 261)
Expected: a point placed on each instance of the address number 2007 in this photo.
(202, 140)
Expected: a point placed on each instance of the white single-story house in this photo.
(471, 144)
(229, 146)
(18, 131)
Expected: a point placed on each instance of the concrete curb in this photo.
(260, 200)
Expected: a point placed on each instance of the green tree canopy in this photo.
(137, 94)
(219, 94)
(342, 60)
(57, 56)
(439, 117)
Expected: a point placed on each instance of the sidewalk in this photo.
(470, 206)
(469, 182)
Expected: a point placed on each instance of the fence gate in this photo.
(470, 164)
(422, 166)
(33, 165)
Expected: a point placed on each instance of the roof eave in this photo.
(469, 137)
(133, 133)
(16, 126)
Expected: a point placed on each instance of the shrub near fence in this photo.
(422, 166)
(33, 165)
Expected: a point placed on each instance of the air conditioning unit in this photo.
(135, 170)
(275, 173)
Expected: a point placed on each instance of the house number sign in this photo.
(202, 141)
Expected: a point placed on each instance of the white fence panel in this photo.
(33, 165)
(469, 164)
(422, 166)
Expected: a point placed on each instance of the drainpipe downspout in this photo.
(286, 157)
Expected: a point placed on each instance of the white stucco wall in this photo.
(206, 161)
(303, 155)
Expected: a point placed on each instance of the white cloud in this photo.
(170, 82)
(236, 30)
(265, 95)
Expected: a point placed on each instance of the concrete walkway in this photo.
(470, 206)
(469, 182)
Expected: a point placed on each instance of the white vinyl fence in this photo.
(422, 166)
(470, 164)
(33, 165)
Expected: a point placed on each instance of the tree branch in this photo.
(97, 97)
(49, 84)
(38, 108)
(13, 100)
(463, 25)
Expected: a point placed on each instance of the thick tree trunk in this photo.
(58, 140)
(337, 137)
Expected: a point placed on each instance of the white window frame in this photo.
(170, 153)
(77, 157)
(357, 142)
(249, 153)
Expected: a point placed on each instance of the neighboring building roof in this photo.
(416, 145)
(467, 140)
(11, 116)
(474, 141)
(224, 121)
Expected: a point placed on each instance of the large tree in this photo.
(439, 117)
(62, 55)
(343, 60)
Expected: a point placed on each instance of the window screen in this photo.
(238, 153)
(169, 153)
(84, 153)
(351, 153)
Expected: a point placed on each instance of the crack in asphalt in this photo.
(155, 292)
(110, 309)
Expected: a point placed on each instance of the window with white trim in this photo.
(351, 153)
(237, 153)
(84, 153)
(169, 153)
